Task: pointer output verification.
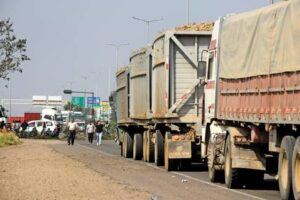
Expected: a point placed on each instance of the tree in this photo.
(69, 105)
(12, 50)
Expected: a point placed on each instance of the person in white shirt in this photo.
(90, 130)
(72, 126)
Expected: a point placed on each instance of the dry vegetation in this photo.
(8, 138)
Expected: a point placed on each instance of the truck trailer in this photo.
(160, 95)
(252, 93)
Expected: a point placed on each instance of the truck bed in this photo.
(260, 71)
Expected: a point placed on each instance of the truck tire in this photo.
(150, 148)
(232, 175)
(159, 148)
(296, 170)
(127, 144)
(169, 163)
(137, 146)
(285, 167)
(213, 174)
(145, 146)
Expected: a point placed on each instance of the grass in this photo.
(8, 138)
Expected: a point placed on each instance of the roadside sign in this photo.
(96, 102)
(105, 106)
(78, 101)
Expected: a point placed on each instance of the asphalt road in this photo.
(197, 174)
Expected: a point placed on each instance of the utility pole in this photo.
(148, 24)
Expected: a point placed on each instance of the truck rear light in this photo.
(258, 136)
(180, 137)
(241, 140)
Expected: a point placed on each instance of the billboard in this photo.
(54, 100)
(39, 100)
(46, 101)
(105, 106)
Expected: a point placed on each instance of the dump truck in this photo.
(160, 95)
(251, 105)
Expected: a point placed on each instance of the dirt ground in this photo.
(35, 171)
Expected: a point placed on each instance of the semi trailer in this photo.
(160, 95)
(252, 94)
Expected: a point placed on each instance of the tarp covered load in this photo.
(261, 42)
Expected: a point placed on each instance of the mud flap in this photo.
(179, 149)
(245, 157)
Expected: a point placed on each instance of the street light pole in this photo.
(71, 87)
(188, 11)
(83, 92)
(116, 46)
(147, 23)
(85, 78)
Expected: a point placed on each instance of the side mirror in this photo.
(202, 69)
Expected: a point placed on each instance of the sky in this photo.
(67, 39)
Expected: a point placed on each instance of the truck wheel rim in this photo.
(297, 173)
(284, 171)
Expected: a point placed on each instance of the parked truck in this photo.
(252, 92)
(234, 103)
(52, 114)
(29, 116)
(160, 95)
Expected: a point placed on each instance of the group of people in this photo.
(90, 130)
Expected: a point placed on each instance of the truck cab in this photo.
(52, 114)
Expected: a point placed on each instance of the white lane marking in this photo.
(218, 186)
(182, 175)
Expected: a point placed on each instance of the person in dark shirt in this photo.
(2, 124)
(99, 132)
(24, 125)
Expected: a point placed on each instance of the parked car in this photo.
(43, 127)
(81, 126)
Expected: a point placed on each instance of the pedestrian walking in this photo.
(99, 132)
(90, 130)
(24, 125)
(72, 126)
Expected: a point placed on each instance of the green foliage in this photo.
(9, 139)
(12, 50)
(113, 127)
(69, 105)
